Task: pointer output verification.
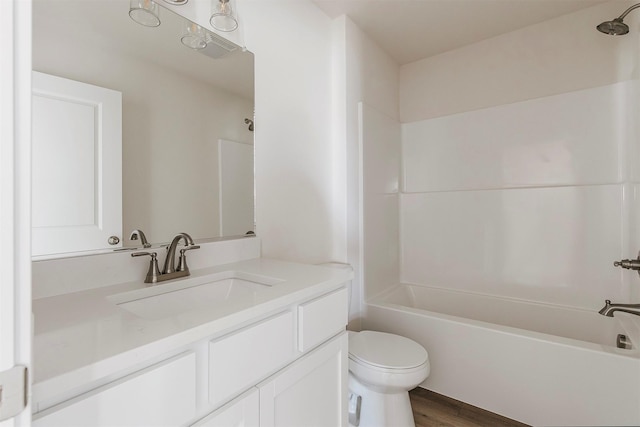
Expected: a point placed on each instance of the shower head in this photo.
(616, 27)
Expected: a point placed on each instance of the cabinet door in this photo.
(161, 395)
(310, 392)
(76, 165)
(240, 412)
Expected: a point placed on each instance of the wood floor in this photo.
(435, 410)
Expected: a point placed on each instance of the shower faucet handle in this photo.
(629, 264)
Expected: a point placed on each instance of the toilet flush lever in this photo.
(629, 264)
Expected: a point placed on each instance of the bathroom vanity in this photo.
(255, 342)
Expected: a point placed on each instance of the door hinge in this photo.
(13, 391)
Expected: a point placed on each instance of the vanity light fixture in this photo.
(194, 36)
(222, 18)
(176, 2)
(145, 12)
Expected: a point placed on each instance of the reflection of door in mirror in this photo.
(77, 157)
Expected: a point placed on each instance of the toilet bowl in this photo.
(382, 369)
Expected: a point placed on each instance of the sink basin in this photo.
(206, 292)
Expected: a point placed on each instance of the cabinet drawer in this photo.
(161, 395)
(241, 359)
(322, 318)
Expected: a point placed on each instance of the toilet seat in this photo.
(386, 352)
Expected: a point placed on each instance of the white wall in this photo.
(171, 126)
(296, 213)
(529, 190)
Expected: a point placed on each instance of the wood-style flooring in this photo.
(435, 410)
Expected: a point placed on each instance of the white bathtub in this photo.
(539, 364)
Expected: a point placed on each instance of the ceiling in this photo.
(410, 30)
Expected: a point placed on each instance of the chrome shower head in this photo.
(616, 27)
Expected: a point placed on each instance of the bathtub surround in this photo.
(538, 192)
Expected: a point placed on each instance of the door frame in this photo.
(15, 192)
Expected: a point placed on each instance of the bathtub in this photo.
(539, 364)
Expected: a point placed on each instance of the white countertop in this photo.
(83, 336)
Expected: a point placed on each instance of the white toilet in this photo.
(382, 369)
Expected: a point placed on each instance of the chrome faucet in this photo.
(169, 271)
(609, 308)
(135, 234)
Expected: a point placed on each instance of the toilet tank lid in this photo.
(386, 350)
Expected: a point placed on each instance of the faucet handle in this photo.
(182, 262)
(154, 272)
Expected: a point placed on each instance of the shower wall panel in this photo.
(531, 200)
(575, 138)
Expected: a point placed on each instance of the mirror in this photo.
(177, 106)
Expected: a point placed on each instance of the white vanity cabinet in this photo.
(311, 389)
(285, 368)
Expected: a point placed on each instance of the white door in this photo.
(15, 251)
(236, 187)
(310, 392)
(77, 166)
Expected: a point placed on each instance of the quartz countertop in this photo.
(83, 336)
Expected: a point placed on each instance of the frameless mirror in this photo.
(187, 120)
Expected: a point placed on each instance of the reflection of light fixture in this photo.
(222, 18)
(145, 12)
(194, 36)
(176, 2)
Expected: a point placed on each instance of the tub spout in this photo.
(610, 308)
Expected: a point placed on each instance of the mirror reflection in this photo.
(187, 123)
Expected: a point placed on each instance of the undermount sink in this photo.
(195, 293)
